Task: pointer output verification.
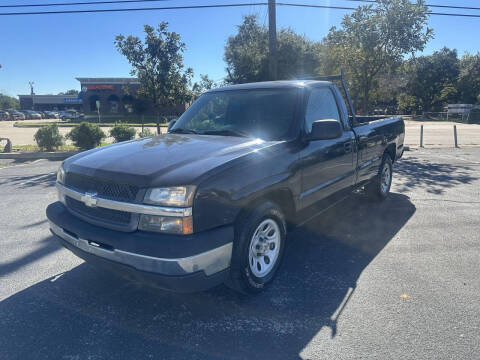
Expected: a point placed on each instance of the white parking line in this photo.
(30, 163)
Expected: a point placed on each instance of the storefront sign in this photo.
(72, 101)
(100, 87)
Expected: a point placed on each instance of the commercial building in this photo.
(50, 102)
(113, 96)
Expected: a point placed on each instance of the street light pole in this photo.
(32, 94)
(272, 39)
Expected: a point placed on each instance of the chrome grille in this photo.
(99, 214)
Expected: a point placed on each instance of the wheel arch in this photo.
(390, 150)
(283, 198)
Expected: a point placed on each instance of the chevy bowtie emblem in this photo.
(89, 199)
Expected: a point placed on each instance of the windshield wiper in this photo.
(225, 133)
(182, 131)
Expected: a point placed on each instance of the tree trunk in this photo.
(365, 102)
(158, 123)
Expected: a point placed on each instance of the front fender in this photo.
(220, 198)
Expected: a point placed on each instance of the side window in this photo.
(321, 106)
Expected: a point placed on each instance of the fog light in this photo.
(167, 224)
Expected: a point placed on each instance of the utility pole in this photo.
(32, 94)
(272, 39)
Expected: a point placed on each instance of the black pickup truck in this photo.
(211, 200)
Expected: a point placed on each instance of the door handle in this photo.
(347, 147)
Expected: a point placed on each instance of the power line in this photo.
(204, 7)
(133, 9)
(351, 8)
(143, 1)
(428, 5)
(79, 3)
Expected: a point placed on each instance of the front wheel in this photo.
(258, 249)
(379, 187)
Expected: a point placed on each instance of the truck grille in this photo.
(100, 214)
(103, 188)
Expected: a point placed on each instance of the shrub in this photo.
(145, 133)
(86, 135)
(122, 132)
(48, 137)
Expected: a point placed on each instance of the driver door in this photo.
(327, 165)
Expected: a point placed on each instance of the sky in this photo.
(52, 50)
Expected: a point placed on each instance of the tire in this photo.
(251, 271)
(379, 188)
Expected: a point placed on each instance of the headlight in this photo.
(181, 196)
(61, 175)
(167, 224)
(178, 196)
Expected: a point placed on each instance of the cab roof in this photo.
(273, 85)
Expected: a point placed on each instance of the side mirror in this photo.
(325, 129)
(170, 124)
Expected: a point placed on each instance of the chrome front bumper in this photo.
(210, 262)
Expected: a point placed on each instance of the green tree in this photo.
(375, 39)
(433, 79)
(203, 85)
(389, 87)
(158, 64)
(407, 104)
(246, 54)
(8, 102)
(469, 79)
(69, 92)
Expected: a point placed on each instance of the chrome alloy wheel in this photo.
(386, 178)
(264, 248)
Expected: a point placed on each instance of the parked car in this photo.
(71, 115)
(212, 200)
(16, 115)
(25, 114)
(33, 115)
(4, 115)
(30, 115)
(51, 115)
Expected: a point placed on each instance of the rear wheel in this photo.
(258, 249)
(379, 187)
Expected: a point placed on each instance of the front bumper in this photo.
(174, 262)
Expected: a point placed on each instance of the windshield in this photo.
(261, 113)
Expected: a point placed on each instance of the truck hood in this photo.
(164, 160)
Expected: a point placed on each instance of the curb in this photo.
(38, 155)
(60, 125)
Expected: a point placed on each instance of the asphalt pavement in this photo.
(392, 280)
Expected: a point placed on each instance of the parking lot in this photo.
(436, 134)
(25, 135)
(399, 279)
(439, 134)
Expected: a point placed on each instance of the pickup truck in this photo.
(211, 201)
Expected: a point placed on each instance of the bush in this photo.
(122, 132)
(48, 137)
(145, 133)
(86, 135)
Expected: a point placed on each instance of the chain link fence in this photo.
(472, 117)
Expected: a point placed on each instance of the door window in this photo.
(321, 106)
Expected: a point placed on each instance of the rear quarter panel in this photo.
(374, 138)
